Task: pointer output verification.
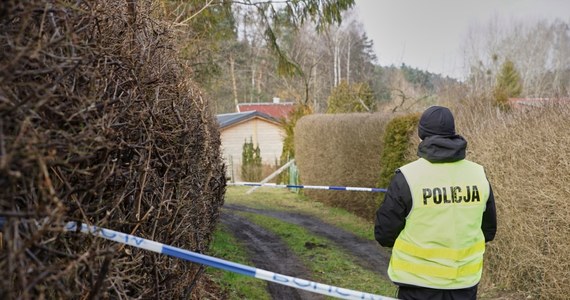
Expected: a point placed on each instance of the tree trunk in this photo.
(234, 85)
(335, 68)
(348, 61)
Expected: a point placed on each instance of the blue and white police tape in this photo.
(153, 246)
(316, 187)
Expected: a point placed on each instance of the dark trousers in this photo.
(421, 293)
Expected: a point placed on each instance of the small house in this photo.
(276, 109)
(262, 129)
(525, 104)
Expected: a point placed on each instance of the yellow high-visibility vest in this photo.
(442, 244)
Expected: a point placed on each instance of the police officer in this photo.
(438, 213)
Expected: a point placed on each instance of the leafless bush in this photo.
(98, 124)
(526, 158)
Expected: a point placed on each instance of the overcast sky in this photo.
(429, 34)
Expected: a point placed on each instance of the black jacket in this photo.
(391, 216)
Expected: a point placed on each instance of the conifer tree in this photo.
(508, 85)
(251, 164)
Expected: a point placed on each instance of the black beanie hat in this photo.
(436, 120)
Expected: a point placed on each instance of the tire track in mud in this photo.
(268, 252)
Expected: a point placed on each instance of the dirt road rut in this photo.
(268, 252)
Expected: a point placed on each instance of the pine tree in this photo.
(508, 85)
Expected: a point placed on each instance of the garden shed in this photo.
(262, 129)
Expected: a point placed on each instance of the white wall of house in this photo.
(265, 134)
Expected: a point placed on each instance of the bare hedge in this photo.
(99, 124)
(341, 150)
(526, 155)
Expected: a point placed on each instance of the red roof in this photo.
(276, 110)
(537, 102)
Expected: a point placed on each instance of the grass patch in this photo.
(283, 199)
(328, 263)
(236, 286)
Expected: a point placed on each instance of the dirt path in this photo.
(269, 253)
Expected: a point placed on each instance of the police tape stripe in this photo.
(153, 246)
(316, 187)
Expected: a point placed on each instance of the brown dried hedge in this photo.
(99, 124)
(341, 150)
(526, 157)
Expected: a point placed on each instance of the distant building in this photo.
(264, 131)
(275, 109)
(530, 103)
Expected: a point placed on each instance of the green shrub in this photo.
(251, 166)
(351, 97)
(397, 144)
(288, 152)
